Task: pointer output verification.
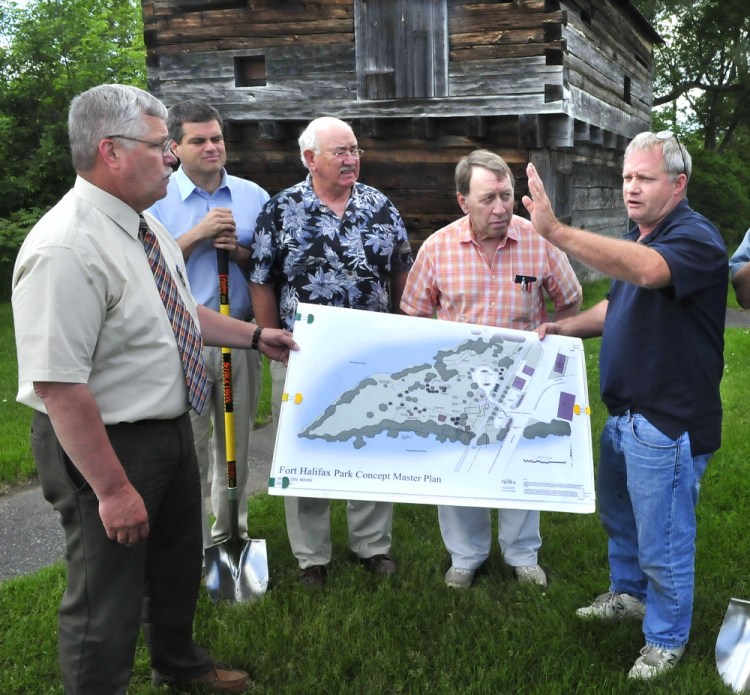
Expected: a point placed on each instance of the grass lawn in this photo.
(409, 633)
(16, 463)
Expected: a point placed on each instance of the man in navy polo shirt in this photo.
(661, 362)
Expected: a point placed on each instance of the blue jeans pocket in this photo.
(648, 435)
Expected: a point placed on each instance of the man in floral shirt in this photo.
(333, 241)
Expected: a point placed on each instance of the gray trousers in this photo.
(308, 519)
(111, 588)
(467, 534)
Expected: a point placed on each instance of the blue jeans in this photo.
(648, 488)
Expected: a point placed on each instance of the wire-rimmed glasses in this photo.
(165, 145)
(343, 152)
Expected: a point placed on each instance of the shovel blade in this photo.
(236, 570)
(733, 646)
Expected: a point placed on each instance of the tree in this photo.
(703, 70)
(702, 91)
(51, 50)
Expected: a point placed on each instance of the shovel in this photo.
(237, 568)
(733, 646)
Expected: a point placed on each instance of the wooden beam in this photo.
(581, 132)
(232, 131)
(271, 130)
(370, 128)
(531, 131)
(476, 127)
(424, 128)
(559, 131)
(553, 92)
(610, 140)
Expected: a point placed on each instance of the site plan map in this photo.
(388, 407)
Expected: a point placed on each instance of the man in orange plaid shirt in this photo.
(490, 268)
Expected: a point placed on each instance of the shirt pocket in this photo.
(524, 300)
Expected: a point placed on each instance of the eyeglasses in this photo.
(166, 145)
(668, 135)
(342, 152)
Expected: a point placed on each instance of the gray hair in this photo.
(675, 157)
(109, 109)
(480, 158)
(309, 138)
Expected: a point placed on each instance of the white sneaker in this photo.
(654, 661)
(614, 606)
(531, 574)
(459, 577)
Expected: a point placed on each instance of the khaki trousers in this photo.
(211, 447)
(308, 519)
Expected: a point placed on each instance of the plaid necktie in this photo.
(189, 341)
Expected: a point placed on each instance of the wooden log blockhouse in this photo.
(565, 84)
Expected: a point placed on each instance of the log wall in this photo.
(565, 84)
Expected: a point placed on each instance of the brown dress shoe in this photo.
(220, 679)
(381, 564)
(313, 577)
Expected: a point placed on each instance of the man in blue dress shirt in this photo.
(205, 210)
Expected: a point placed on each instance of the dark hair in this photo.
(190, 111)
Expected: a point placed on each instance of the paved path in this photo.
(737, 318)
(30, 533)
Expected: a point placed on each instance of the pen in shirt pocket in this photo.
(180, 275)
(525, 281)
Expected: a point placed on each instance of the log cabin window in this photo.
(401, 48)
(250, 71)
(626, 90)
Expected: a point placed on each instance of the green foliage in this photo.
(50, 51)
(16, 462)
(411, 634)
(263, 416)
(702, 92)
(13, 231)
(702, 76)
(720, 189)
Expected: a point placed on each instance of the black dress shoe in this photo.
(381, 564)
(313, 577)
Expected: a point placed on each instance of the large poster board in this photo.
(395, 408)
